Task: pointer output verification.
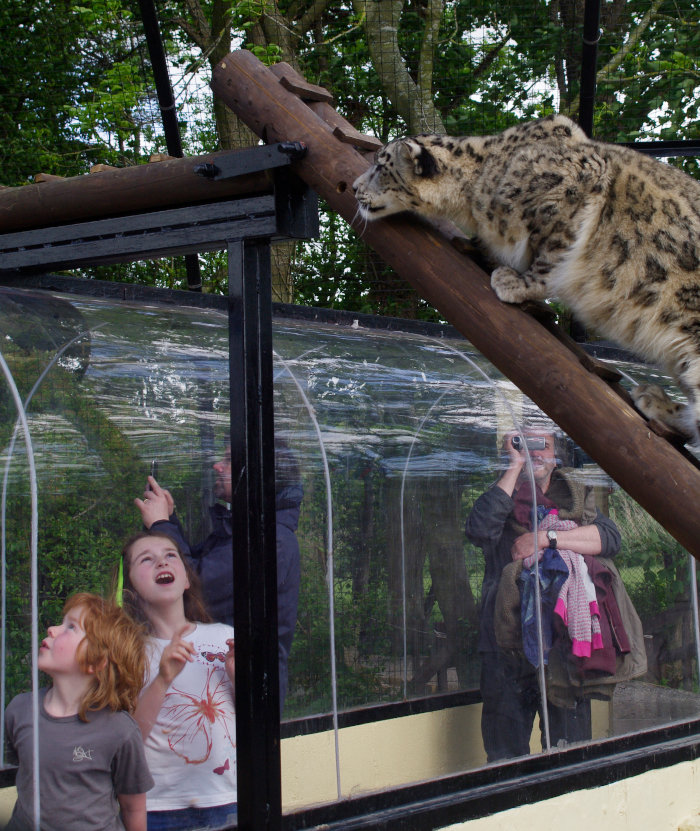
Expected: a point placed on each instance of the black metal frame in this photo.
(245, 228)
(168, 112)
(253, 515)
(140, 236)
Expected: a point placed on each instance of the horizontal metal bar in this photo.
(147, 244)
(472, 795)
(174, 231)
(191, 215)
(688, 147)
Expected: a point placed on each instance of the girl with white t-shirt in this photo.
(186, 711)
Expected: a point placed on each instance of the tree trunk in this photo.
(413, 102)
(444, 524)
(405, 554)
(211, 32)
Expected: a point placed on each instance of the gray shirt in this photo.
(82, 767)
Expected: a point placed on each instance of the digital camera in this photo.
(533, 442)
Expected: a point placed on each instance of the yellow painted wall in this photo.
(388, 754)
(661, 800)
(416, 748)
(380, 755)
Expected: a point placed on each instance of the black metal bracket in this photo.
(291, 212)
(253, 160)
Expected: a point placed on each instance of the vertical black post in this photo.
(589, 65)
(253, 517)
(166, 102)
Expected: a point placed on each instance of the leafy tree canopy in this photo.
(78, 88)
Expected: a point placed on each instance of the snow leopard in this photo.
(612, 233)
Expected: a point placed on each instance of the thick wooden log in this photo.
(119, 191)
(663, 482)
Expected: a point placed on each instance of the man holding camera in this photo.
(501, 524)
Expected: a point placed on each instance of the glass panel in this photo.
(396, 436)
(413, 430)
(387, 444)
(124, 385)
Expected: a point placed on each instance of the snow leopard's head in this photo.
(396, 180)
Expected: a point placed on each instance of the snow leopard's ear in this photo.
(423, 162)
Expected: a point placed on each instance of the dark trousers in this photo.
(511, 699)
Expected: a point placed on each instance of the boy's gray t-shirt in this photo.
(83, 766)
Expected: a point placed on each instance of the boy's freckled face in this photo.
(58, 653)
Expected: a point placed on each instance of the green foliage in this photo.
(40, 80)
(362, 620)
(88, 471)
(79, 543)
(81, 518)
(657, 565)
(78, 90)
(268, 54)
(650, 91)
(331, 273)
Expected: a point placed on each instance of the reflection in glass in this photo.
(397, 435)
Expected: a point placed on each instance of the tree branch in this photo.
(198, 28)
(310, 17)
(426, 60)
(618, 58)
(483, 65)
(634, 38)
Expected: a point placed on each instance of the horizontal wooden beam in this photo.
(120, 191)
(665, 483)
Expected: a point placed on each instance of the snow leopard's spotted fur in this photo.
(612, 233)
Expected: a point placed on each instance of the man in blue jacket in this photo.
(212, 557)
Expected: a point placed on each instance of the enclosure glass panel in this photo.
(394, 437)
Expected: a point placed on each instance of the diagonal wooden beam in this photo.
(665, 483)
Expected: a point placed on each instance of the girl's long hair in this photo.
(195, 608)
(113, 653)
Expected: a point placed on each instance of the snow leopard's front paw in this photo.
(652, 401)
(509, 285)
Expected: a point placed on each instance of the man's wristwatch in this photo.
(552, 537)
